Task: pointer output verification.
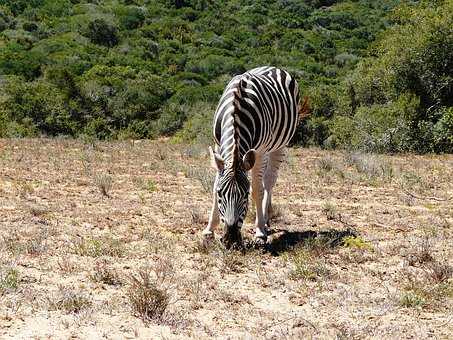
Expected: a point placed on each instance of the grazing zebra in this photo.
(255, 119)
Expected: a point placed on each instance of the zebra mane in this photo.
(237, 98)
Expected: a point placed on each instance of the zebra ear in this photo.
(216, 160)
(248, 161)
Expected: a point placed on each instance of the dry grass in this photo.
(69, 301)
(104, 183)
(103, 240)
(147, 300)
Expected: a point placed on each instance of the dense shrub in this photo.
(102, 33)
(402, 96)
(37, 105)
(140, 69)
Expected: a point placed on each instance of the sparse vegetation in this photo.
(307, 267)
(70, 267)
(371, 166)
(103, 273)
(148, 301)
(69, 301)
(151, 185)
(9, 279)
(96, 247)
(330, 210)
(104, 183)
(204, 176)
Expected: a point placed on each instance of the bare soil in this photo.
(361, 246)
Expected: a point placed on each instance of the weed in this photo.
(38, 210)
(306, 267)
(151, 185)
(370, 165)
(35, 245)
(204, 246)
(356, 242)
(164, 270)
(421, 252)
(205, 177)
(69, 301)
(24, 188)
(232, 261)
(196, 217)
(103, 274)
(325, 164)
(147, 300)
(431, 287)
(104, 183)
(330, 210)
(66, 266)
(9, 279)
(96, 247)
(411, 299)
(409, 179)
(161, 153)
(317, 246)
(438, 272)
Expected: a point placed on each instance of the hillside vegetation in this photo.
(378, 73)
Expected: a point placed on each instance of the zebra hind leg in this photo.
(270, 178)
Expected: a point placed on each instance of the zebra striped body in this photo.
(255, 119)
(263, 104)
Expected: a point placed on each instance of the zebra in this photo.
(255, 119)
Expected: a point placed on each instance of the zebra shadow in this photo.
(281, 241)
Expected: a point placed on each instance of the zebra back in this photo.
(258, 110)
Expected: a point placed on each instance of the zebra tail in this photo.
(304, 109)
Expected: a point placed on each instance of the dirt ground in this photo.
(103, 240)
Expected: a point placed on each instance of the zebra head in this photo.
(232, 187)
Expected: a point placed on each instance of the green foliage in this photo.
(102, 33)
(36, 105)
(402, 96)
(17, 59)
(140, 69)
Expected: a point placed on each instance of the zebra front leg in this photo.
(270, 178)
(257, 194)
(214, 218)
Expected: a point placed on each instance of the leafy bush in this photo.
(37, 105)
(402, 96)
(102, 33)
(139, 69)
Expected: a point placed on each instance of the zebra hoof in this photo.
(207, 233)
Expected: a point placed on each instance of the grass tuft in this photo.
(104, 183)
(69, 301)
(96, 247)
(9, 280)
(148, 301)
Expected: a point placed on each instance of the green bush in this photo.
(37, 104)
(102, 33)
(376, 128)
(401, 97)
(443, 131)
(139, 69)
(198, 126)
(17, 59)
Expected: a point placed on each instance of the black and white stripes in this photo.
(255, 119)
(262, 105)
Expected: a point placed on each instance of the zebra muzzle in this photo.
(232, 236)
